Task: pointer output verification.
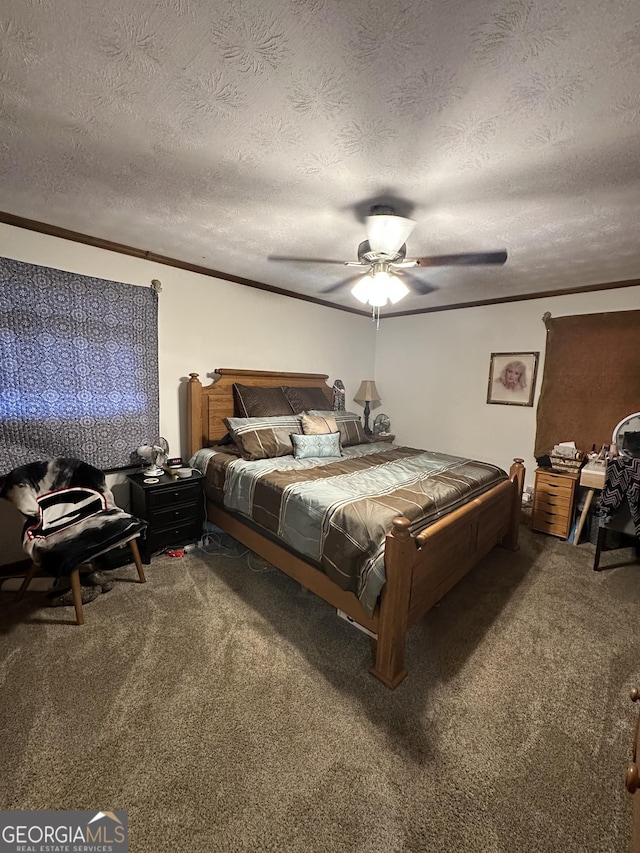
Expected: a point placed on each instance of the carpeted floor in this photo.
(228, 710)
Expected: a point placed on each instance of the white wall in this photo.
(206, 323)
(431, 370)
(432, 373)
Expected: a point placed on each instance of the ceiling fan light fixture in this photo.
(380, 288)
(386, 233)
(362, 289)
(396, 289)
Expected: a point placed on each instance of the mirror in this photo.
(629, 424)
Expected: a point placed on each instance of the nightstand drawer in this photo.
(178, 534)
(180, 494)
(161, 518)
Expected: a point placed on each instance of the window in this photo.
(78, 367)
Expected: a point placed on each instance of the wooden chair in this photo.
(74, 577)
(71, 518)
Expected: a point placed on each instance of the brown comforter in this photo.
(337, 512)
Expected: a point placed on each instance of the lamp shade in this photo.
(386, 234)
(367, 392)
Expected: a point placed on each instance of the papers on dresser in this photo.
(566, 449)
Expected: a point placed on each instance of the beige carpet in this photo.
(228, 710)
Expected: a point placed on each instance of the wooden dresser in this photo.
(553, 498)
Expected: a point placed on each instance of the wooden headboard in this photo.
(208, 404)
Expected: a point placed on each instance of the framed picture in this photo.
(512, 378)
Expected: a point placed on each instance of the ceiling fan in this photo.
(382, 258)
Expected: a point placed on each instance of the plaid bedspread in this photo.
(337, 512)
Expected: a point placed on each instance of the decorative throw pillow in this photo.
(263, 438)
(318, 424)
(254, 402)
(302, 399)
(324, 446)
(349, 426)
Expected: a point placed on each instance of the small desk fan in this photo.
(156, 454)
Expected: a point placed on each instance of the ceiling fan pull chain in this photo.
(375, 316)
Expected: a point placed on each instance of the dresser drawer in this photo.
(545, 522)
(554, 488)
(553, 503)
(159, 498)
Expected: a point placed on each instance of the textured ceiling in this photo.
(222, 133)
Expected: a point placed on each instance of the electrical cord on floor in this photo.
(223, 545)
(265, 567)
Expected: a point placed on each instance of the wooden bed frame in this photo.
(419, 569)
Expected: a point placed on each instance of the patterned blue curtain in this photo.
(78, 367)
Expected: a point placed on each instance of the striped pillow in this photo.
(349, 426)
(263, 438)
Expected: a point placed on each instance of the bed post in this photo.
(516, 475)
(393, 618)
(194, 408)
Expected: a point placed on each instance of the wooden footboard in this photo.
(419, 569)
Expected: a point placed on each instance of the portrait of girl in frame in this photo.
(512, 378)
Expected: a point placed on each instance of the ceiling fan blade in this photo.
(401, 265)
(343, 283)
(305, 260)
(417, 285)
(470, 259)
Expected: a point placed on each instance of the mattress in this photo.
(336, 512)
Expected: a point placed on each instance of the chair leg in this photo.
(136, 559)
(602, 532)
(76, 591)
(27, 580)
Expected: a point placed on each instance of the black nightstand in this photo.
(389, 436)
(173, 508)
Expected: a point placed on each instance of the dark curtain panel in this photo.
(78, 367)
(591, 378)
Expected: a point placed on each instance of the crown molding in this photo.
(132, 251)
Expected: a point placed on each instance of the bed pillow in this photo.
(318, 424)
(264, 438)
(301, 399)
(253, 402)
(349, 426)
(324, 446)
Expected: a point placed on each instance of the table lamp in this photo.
(367, 393)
